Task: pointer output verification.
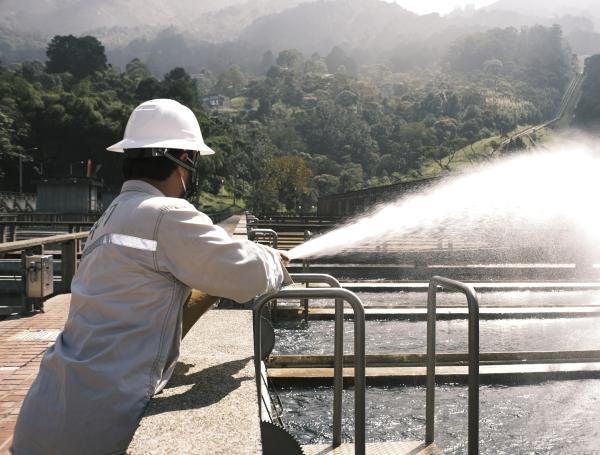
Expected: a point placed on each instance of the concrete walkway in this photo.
(23, 341)
(210, 405)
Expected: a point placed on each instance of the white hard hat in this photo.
(162, 123)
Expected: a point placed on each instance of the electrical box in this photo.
(39, 276)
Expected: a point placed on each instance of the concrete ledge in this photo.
(210, 404)
(485, 286)
(448, 374)
(442, 313)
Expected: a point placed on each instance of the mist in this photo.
(363, 28)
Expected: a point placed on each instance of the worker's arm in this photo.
(203, 256)
(196, 305)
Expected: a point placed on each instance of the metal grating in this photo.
(36, 335)
(376, 448)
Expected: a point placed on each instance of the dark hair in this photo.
(138, 165)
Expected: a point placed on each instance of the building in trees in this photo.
(216, 101)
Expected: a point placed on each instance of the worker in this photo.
(121, 339)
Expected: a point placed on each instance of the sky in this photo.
(439, 6)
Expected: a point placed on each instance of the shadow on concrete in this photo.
(209, 386)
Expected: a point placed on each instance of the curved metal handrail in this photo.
(473, 303)
(265, 232)
(359, 353)
(315, 278)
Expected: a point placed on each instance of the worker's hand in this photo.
(285, 260)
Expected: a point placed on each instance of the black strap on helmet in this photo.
(192, 192)
(190, 165)
(170, 154)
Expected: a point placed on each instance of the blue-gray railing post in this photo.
(338, 372)
(306, 262)
(359, 352)
(473, 380)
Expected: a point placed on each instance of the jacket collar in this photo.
(142, 187)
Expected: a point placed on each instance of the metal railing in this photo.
(306, 262)
(338, 346)
(473, 379)
(10, 229)
(70, 249)
(253, 235)
(340, 295)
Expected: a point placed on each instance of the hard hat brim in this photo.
(180, 144)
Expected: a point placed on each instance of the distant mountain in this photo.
(320, 25)
(126, 28)
(579, 19)
(217, 33)
(50, 17)
(550, 8)
(375, 27)
(208, 19)
(225, 24)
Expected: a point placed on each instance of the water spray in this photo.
(522, 196)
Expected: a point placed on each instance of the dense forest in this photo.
(587, 114)
(298, 127)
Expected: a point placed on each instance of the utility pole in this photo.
(20, 174)
(234, 201)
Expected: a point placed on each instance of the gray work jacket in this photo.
(121, 339)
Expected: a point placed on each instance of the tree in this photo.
(33, 71)
(473, 97)
(444, 155)
(205, 81)
(293, 179)
(148, 89)
(290, 59)
(452, 106)
(291, 92)
(79, 56)
(505, 122)
(8, 137)
(337, 59)
(445, 129)
(179, 86)
(315, 65)
(266, 62)
(137, 70)
(262, 198)
(588, 109)
(351, 177)
(493, 66)
(346, 98)
(231, 82)
(326, 184)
